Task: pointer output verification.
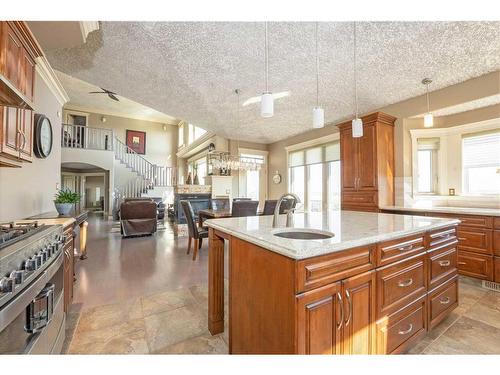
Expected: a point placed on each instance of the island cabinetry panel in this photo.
(401, 248)
(442, 300)
(367, 163)
(400, 283)
(315, 272)
(496, 277)
(398, 331)
(475, 239)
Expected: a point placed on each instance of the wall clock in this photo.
(42, 145)
(277, 178)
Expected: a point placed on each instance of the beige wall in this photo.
(30, 190)
(161, 145)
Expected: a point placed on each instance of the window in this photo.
(315, 177)
(252, 178)
(194, 132)
(481, 164)
(427, 158)
(181, 136)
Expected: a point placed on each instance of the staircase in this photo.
(146, 175)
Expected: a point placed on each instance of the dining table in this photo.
(212, 214)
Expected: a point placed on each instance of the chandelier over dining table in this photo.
(225, 161)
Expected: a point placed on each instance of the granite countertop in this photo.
(350, 228)
(447, 210)
(77, 215)
(64, 221)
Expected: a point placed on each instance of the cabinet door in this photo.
(27, 75)
(359, 313)
(12, 55)
(26, 127)
(367, 159)
(348, 157)
(10, 136)
(475, 239)
(319, 324)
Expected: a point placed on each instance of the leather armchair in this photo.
(138, 217)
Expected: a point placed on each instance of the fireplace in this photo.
(198, 202)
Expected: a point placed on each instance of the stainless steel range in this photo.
(32, 318)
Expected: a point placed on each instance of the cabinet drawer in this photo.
(401, 248)
(315, 272)
(442, 301)
(399, 284)
(440, 237)
(496, 222)
(475, 265)
(496, 243)
(469, 220)
(442, 265)
(396, 332)
(368, 198)
(475, 239)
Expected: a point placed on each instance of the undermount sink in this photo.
(304, 234)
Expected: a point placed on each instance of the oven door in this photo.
(42, 300)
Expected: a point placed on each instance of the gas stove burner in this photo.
(13, 231)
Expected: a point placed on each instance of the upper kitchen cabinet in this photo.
(18, 51)
(368, 163)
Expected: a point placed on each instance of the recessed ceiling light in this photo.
(258, 99)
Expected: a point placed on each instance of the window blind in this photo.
(314, 155)
(428, 143)
(481, 151)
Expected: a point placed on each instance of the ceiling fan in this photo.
(111, 94)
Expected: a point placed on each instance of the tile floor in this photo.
(171, 316)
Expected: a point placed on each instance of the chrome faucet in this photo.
(289, 213)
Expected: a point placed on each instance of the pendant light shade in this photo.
(428, 120)
(357, 128)
(267, 99)
(318, 117)
(267, 105)
(318, 112)
(357, 123)
(428, 117)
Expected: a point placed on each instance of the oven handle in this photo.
(18, 304)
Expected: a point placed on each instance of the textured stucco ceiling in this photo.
(190, 70)
(467, 106)
(78, 92)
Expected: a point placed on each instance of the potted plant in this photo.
(64, 201)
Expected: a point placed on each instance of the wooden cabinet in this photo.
(68, 266)
(338, 318)
(18, 51)
(340, 303)
(367, 163)
(475, 265)
(320, 320)
(16, 136)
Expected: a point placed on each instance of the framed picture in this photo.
(136, 140)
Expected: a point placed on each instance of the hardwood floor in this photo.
(145, 295)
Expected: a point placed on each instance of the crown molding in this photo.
(86, 27)
(48, 75)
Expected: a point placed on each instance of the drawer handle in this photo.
(405, 283)
(444, 301)
(406, 331)
(341, 306)
(405, 248)
(462, 239)
(462, 263)
(444, 263)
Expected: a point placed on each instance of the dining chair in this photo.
(244, 208)
(241, 199)
(270, 205)
(194, 232)
(220, 204)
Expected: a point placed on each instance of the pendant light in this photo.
(318, 112)
(357, 123)
(267, 101)
(428, 117)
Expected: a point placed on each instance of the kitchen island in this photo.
(374, 283)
